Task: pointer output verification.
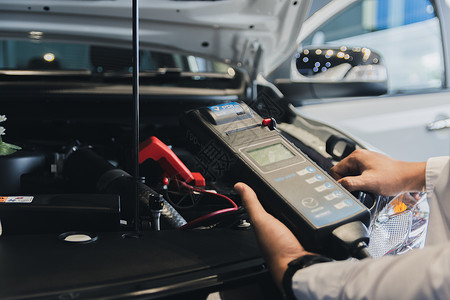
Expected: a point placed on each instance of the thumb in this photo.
(250, 200)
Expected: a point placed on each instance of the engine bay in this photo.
(71, 180)
(71, 161)
(72, 153)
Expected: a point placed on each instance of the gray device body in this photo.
(289, 184)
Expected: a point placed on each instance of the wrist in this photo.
(414, 176)
(298, 264)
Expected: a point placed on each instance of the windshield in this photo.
(39, 55)
(35, 58)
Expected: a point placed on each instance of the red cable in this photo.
(212, 214)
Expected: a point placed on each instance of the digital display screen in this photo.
(270, 154)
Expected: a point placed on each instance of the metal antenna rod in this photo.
(135, 8)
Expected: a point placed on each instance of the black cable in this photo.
(353, 238)
(362, 252)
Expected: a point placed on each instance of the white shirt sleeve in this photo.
(418, 274)
(438, 194)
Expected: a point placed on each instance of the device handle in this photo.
(331, 147)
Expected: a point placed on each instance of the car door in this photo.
(410, 122)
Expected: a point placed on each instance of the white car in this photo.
(97, 197)
(409, 122)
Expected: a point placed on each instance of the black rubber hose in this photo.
(91, 172)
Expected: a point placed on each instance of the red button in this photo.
(267, 122)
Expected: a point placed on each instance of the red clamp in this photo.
(173, 167)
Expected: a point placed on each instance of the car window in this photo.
(36, 54)
(405, 33)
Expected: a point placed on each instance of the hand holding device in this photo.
(379, 174)
(278, 244)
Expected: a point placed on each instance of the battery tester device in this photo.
(323, 215)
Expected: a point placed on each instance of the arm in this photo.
(380, 174)
(420, 274)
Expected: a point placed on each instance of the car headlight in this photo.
(399, 224)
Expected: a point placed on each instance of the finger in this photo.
(354, 183)
(250, 200)
(348, 166)
(334, 173)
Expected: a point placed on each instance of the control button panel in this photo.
(325, 203)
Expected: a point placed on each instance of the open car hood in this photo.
(253, 35)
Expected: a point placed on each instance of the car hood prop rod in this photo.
(136, 117)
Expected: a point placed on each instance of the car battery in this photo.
(59, 213)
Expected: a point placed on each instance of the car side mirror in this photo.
(335, 72)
